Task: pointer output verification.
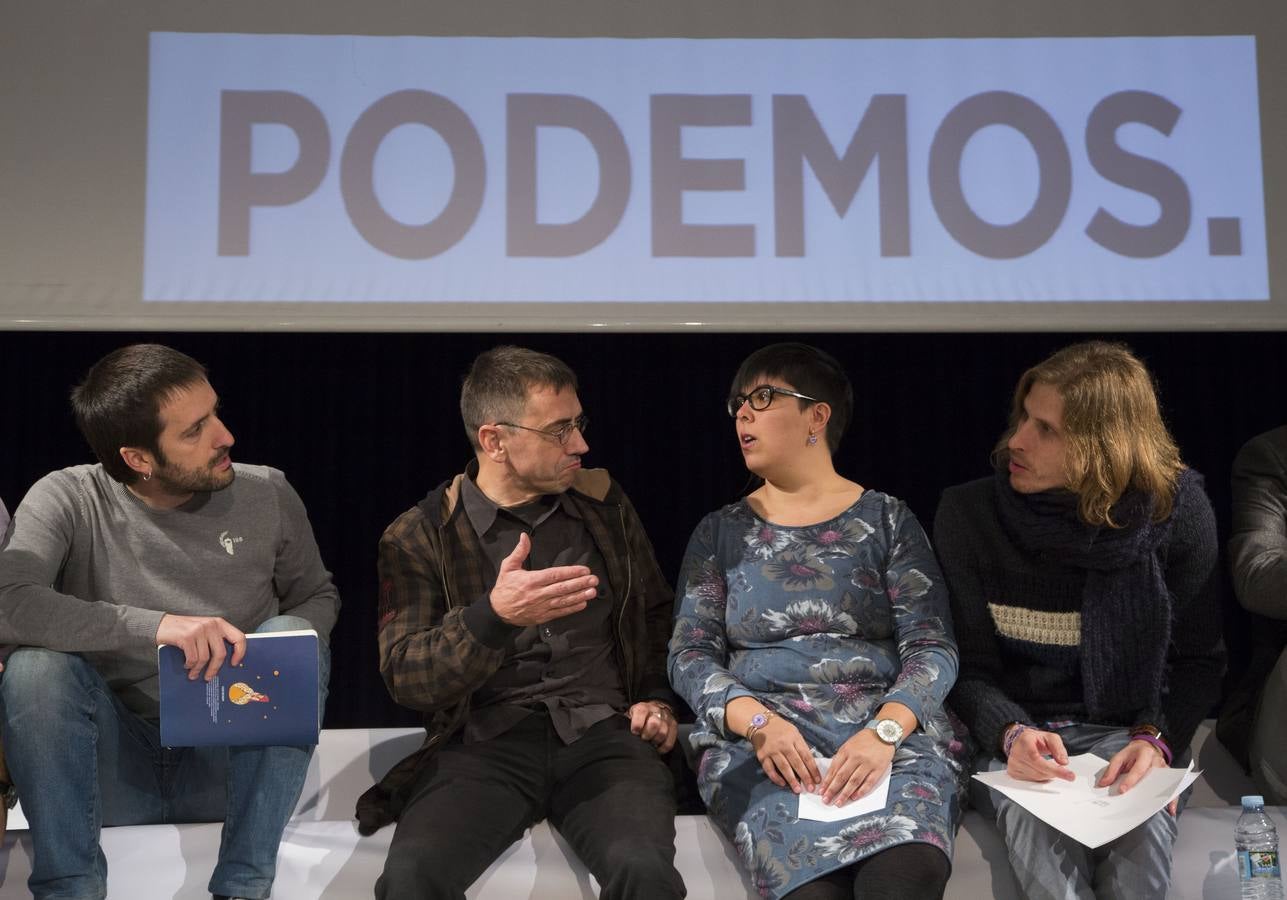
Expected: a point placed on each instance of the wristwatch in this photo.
(888, 730)
(758, 721)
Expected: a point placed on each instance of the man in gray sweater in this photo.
(163, 542)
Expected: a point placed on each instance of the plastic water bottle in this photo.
(1257, 841)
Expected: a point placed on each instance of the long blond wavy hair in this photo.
(1116, 439)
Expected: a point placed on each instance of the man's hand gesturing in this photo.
(523, 597)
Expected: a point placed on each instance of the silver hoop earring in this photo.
(148, 476)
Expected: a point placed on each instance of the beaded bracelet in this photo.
(1157, 743)
(1008, 744)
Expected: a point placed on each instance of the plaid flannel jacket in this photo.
(431, 566)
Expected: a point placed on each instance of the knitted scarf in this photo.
(1126, 605)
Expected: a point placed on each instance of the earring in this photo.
(148, 476)
(813, 439)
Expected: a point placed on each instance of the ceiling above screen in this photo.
(635, 179)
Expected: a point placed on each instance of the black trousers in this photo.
(609, 794)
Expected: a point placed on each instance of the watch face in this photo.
(889, 731)
(759, 720)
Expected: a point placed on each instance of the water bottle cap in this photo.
(1253, 801)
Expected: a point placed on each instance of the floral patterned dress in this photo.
(823, 624)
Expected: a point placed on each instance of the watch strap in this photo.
(874, 725)
(758, 721)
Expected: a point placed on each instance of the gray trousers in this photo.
(1049, 865)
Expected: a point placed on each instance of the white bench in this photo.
(322, 855)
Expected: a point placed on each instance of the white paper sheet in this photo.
(1088, 814)
(812, 807)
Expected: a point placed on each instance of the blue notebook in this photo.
(269, 699)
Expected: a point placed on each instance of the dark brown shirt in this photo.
(566, 665)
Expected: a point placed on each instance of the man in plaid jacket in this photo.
(523, 613)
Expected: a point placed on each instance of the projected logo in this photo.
(445, 169)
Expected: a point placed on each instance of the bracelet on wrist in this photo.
(758, 721)
(1158, 744)
(1011, 736)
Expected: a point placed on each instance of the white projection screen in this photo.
(229, 164)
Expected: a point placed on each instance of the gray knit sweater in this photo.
(89, 568)
(1017, 621)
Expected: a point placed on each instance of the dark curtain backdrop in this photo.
(365, 424)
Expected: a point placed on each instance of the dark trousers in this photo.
(609, 794)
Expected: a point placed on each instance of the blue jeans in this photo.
(1049, 865)
(81, 760)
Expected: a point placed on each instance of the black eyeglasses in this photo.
(760, 397)
(560, 434)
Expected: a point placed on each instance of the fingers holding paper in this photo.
(1130, 764)
(785, 756)
(858, 766)
(1038, 756)
(1086, 811)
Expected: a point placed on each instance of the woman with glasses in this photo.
(814, 643)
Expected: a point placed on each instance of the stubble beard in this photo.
(194, 481)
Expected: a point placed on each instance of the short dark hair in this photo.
(119, 402)
(498, 382)
(808, 370)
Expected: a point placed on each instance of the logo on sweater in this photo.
(228, 542)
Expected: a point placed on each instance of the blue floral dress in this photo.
(823, 624)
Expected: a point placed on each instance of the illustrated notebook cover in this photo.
(269, 699)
